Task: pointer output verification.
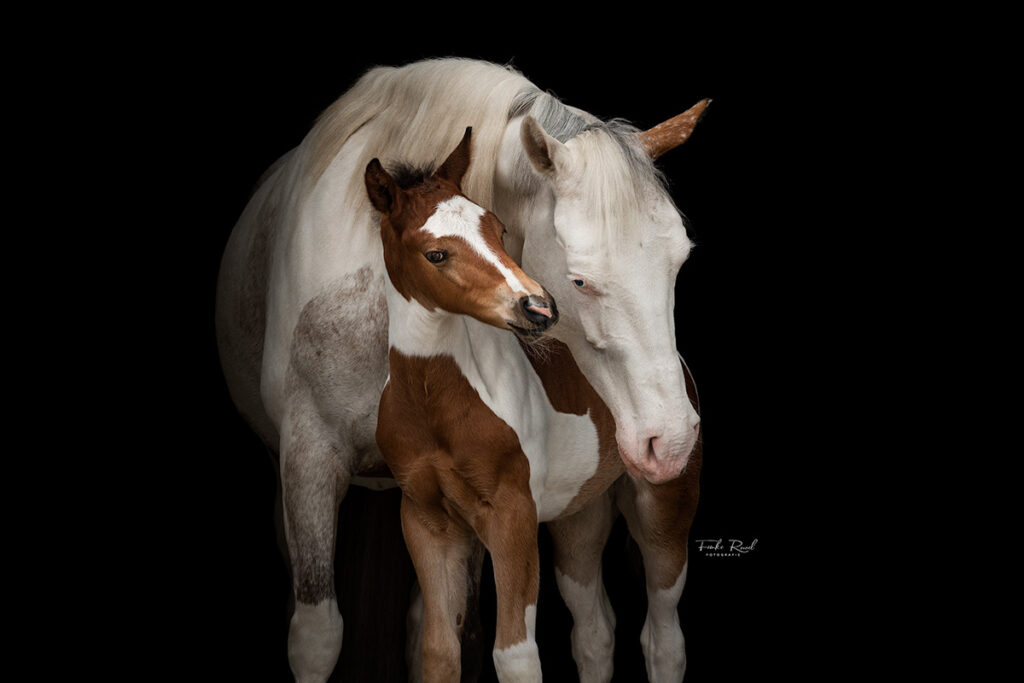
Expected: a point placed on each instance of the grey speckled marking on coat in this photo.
(311, 500)
(332, 423)
(339, 331)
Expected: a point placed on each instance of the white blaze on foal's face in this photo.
(469, 271)
(459, 217)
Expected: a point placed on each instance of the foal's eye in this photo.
(579, 283)
(437, 256)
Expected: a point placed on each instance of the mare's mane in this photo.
(416, 113)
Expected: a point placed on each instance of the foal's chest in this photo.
(487, 426)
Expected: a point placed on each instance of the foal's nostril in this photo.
(537, 310)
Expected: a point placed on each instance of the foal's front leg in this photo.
(442, 551)
(509, 530)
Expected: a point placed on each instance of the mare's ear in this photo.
(454, 167)
(674, 132)
(543, 151)
(383, 190)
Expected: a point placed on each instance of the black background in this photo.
(755, 310)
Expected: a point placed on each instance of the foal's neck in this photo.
(414, 330)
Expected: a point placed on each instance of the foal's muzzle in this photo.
(538, 314)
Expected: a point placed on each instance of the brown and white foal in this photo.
(459, 403)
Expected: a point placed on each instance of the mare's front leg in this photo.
(314, 481)
(578, 542)
(659, 518)
(444, 552)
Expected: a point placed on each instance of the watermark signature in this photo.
(724, 547)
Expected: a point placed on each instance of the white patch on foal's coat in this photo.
(520, 662)
(459, 217)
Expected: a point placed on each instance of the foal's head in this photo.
(446, 252)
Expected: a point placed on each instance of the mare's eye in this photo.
(581, 285)
(437, 256)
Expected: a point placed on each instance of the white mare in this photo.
(302, 319)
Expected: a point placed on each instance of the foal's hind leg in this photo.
(313, 485)
(444, 553)
(579, 541)
(659, 518)
(470, 625)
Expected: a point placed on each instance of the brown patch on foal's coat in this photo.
(459, 463)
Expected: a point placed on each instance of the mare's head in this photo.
(446, 252)
(610, 243)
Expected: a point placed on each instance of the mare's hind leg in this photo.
(659, 518)
(445, 554)
(578, 542)
(313, 484)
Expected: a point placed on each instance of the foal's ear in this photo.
(381, 187)
(454, 167)
(674, 132)
(542, 150)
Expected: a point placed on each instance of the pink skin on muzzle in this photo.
(657, 459)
